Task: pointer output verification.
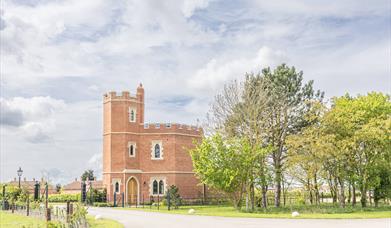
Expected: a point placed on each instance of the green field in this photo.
(16, 221)
(324, 212)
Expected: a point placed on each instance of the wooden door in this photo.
(132, 192)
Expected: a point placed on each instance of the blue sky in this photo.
(59, 57)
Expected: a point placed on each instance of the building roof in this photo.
(29, 184)
(76, 185)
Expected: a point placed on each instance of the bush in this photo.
(102, 204)
(62, 198)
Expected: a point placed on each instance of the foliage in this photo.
(175, 198)
(88, 175)
(224, 164)
(62, 198)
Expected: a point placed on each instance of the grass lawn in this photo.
(103, 223)
(325, 212)
(17, 221)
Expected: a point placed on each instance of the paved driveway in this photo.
(138, 219)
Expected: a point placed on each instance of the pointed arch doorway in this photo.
(132, 191)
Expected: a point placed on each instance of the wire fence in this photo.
(63, 215)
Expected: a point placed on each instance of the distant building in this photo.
(29, 185)
(75, 186)
(143, 159)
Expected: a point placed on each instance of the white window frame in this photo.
(134, 149)
(114, 181)
(157, 179)
(146, 125)
(130, 116)
(157, 125)
(154, 142)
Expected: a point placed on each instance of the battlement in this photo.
(125, 95)
(172, 127)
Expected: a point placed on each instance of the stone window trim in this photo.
(160, 192)
(132, 114)
(114, 182)
(153, 144)
(130, 145)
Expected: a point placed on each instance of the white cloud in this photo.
(34, 117)
(216, 72)
(189, 6)
(182, 51)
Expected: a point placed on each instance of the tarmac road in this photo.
(141, 219)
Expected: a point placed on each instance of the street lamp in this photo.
(20, 172)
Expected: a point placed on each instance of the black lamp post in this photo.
(19, 172)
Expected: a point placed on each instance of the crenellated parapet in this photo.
(172, 127)
(125, 95)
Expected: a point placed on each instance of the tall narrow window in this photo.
(154, 187)
(131, 151)
(161, 187)
(116, 187)
(157, 151)
(132, 115)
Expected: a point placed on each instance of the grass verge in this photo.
(10, 220)
(305, 212)
(103, 223)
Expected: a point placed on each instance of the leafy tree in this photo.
(88, 175)
(175, 198)
(360, 128)
(223, 164)
(287, 105)
(58, 188)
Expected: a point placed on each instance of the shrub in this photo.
(62, 198)
(102, 204)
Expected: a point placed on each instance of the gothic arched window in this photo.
(154, 187)
(157, 151)
(161, 187)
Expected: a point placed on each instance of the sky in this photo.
(59, 57)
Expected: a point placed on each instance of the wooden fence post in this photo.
(48, 214)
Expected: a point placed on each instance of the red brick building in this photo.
(144, 159)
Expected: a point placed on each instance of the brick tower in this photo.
(141, 160)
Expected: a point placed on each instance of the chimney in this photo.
(42, 179)
(140, 109)
(14, 178)
(24, 179)
(34, 179)
(76, 179)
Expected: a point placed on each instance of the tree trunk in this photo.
(252, 196)
(317, 196)
(277, 183)
(309, 191)
(353, 194)
(342, 192)
(264, 197)
(349, 192)
(363, 200)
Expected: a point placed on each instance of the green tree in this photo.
(88, 175)
(223, 164)
(287, 105)
(361, 129)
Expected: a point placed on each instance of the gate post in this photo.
(115, 199)
(123, 199)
